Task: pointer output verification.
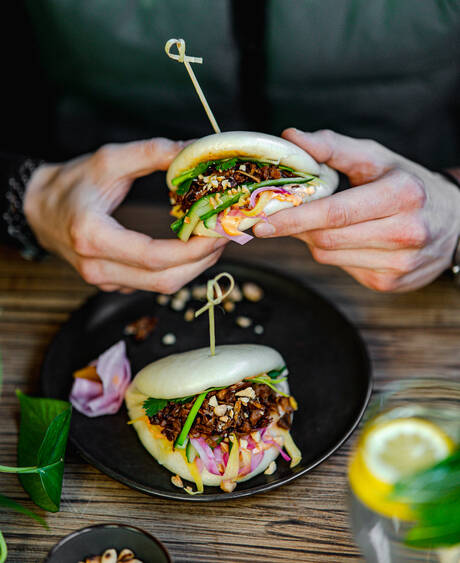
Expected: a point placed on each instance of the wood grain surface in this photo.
(408, 335)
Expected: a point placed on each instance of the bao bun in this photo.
(189, 373)
(259, 146)
(245, 144)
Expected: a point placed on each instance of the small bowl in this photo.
(94, 540)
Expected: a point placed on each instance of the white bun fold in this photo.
(162, 449)
(245, 144)
(325, 186)
(190, 373)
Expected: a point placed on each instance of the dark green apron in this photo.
(384, 69)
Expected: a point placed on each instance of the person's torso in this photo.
(383, 69)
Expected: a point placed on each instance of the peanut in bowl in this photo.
(110, 540)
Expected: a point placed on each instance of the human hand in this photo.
(69, 206)
(396, 230)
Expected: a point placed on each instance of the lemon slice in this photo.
(389, 451)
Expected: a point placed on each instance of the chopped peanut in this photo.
(271, 468)
(247, 392)
(177, 481)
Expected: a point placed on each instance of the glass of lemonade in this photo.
(410, 426)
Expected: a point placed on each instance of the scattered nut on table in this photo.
(177, 481)
(243, 322)
(177, 304)
(199, 292)
(110, 556)
(229, 306)
(169, 339)
(141, 329)
(235, 294)
(163, 299)
(183, 294)
(271, 468)
(189, 315)
(252, 292)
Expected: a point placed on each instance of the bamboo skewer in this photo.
(215, 296)
(183, 58)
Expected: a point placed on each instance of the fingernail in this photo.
(264, 230)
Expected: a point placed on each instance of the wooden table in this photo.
(408, 335)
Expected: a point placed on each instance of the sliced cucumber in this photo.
(190, 452)
(211, 222)
(202, 210)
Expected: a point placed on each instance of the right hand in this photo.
(69, 206)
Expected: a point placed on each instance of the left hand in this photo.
(396, 230)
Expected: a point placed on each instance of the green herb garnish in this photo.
(275, 373)
(184, 180)
(226, 164)
(184, 187)
(152, 406)
(43, 436)
(434, 496)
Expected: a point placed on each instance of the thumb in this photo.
(362, 160)
(138, 158)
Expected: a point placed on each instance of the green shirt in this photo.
(384, 69)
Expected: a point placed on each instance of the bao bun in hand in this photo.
(215, 420)
(223, 184)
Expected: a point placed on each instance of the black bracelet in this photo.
(455, 268)
(14, 217)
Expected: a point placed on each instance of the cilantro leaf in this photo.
(152, 406)
(184, 187)
(275, 373)
(226, 164)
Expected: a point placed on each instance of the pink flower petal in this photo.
(95, 399)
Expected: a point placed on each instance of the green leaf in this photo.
(152, 406)
(184, 187)
(3, 549)
(43, 437)
(275, 373)
(17, 507)
(26, 470)
(438, 526)
(434, 495)
(432, 484)
(226, 164)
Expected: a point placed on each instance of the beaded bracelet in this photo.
(17, 226)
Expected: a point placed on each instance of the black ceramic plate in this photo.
(94, 540)
(328, 364)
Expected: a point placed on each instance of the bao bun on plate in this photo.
(191, 373)
(260, 147)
